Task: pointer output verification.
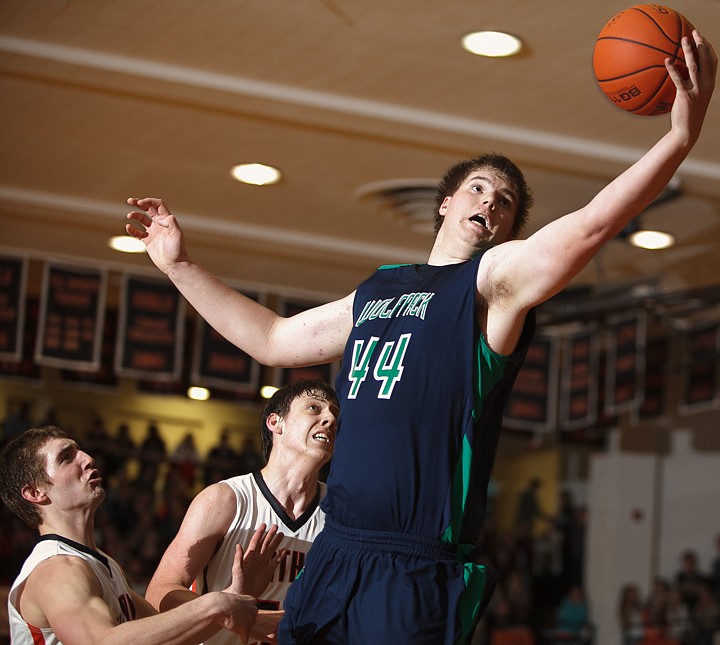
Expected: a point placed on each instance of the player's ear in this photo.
(273, 423)
(33, 494)
(443, 207)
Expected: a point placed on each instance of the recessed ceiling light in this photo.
(652, 240)
(198, 393)
(266, 391)
(491, 43)
(126, 244)
(257, 174)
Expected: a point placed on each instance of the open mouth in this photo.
(322, 437)
(94, 478)
(480, 219)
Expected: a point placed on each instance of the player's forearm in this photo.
(166, 597)
(192, 623)
(631, 192)
(237, 318)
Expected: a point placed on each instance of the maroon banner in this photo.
(217, 363)
(103, 378)
(656, 364)
(25, 369)
(150, 330)
(13, 278)
(578, 380)
(532, 404)
(700, 376)
(288, 375)
(72, 312)
(625, 363)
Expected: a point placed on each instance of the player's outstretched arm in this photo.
(311, 337)
(79, 615)
(535, 269)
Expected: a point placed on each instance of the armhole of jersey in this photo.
(490, 368)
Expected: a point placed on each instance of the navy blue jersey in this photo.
(421, 402)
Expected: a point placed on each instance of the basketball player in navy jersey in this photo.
(298, 427)
(69, 591)
(429, 354)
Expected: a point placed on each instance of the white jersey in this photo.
(257, 505)
(115, 590)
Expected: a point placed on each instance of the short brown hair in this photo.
(22, 465)
(499, 164)
(279, 403)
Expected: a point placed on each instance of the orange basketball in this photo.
(629, 57)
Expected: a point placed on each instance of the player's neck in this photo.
(76, 526)
(295, 488)
(444, 253)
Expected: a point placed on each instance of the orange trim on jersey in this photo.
(37, 635)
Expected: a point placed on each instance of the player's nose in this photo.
(85, 459)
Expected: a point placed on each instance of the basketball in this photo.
(629, 57)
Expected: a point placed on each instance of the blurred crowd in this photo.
(540, 593)
(683, 610)
(540, 596)
(149, 488)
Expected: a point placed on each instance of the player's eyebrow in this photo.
(65, 451)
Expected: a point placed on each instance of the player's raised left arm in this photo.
(537, 268)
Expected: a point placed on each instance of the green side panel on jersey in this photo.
(471, 599)
(489, 369)
(393, 266)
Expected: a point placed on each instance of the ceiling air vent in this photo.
(410, 201)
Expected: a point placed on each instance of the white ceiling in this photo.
(105, 99)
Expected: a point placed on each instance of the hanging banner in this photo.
(72, 312)
(218, 363)
(104, 377)
(150, 330)
(625, 363)
(578, 380)
(287, 375)
(655, 379)
(700, 373)
(25, 369)
(533, 402)
(13, 280)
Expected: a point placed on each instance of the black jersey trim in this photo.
(78, 547)
(294, 525)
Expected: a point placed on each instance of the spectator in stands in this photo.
(677, 617)
(689, 578)
(656, 605)
(120, 449)
(705, 616)
(152, 453)
(572, 621)
(250, 460)
(185, 459)
(528, 509)
(221, 462)
(630, 614)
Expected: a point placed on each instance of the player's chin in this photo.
(324, 448)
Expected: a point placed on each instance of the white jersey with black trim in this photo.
(115, 589)
(257, 505)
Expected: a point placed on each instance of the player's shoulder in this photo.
(218, 493)
(62, 568)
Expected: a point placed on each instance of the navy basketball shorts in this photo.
(374, 588)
